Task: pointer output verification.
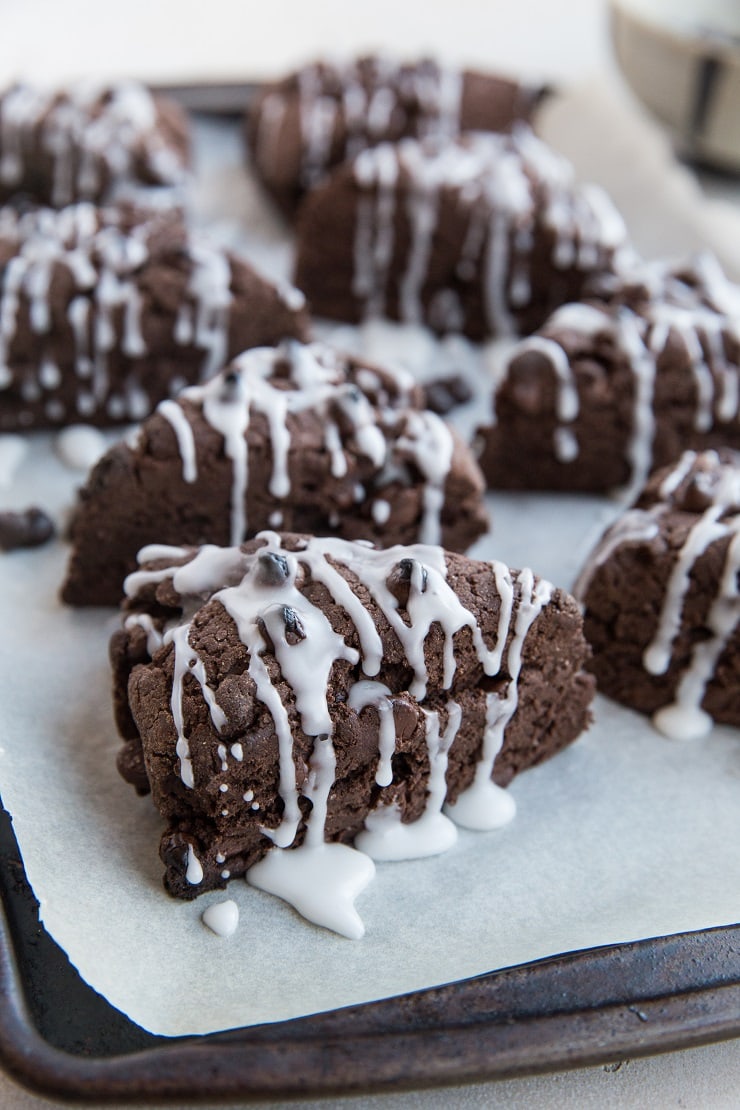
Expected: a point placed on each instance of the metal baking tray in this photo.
(60, 1038)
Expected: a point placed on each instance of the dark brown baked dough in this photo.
(330, 444)
(58, 146)
(610, 389)
(662, 601)
(216, 777)
(300, 128)
(107, 311)
(483, 235)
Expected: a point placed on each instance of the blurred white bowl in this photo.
(682, 59)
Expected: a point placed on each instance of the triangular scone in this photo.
(297, 690)
(296, 437)
(614, 387)
(62, 145)
(299, 128)
(661, 592)
(484, 236)
(107, 311)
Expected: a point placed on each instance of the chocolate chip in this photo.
(29, 528)
(399, 580)
(406, 569)
(273, 568)
(294, 630)
(232, 386)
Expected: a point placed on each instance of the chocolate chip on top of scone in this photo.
(107, 311)
(288, 698)
(300, 437)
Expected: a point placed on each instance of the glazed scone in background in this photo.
(107, 311)
(661, 594)
(301, 127)
(611, 388)
(484, 235)
(84, 140)
(291, 437)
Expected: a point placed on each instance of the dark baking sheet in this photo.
(59, 1037)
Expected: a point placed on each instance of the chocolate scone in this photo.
(484, 235)
(104, 312)
(58, 146)
(296, 691)
(296, 437)
(662, 598)
(301, 127)
(614, 387)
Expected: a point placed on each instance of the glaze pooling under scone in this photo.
(63, 145)
(484, 235)
(662, 597)
(611, 388)
(328, 443)
(301, 127)
(106, 311)
(374, 694)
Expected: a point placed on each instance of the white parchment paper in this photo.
(625, 835)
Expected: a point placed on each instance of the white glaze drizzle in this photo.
(385, 836)
(194, 871)
(637, 526)
(378, 695)
(153, 634)
(429, 441)
(321, 880)
(183, 429)
(187, 661)
(566, 401)
(483, 805)
(684, 719)
(708, 528)
(321, 883)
